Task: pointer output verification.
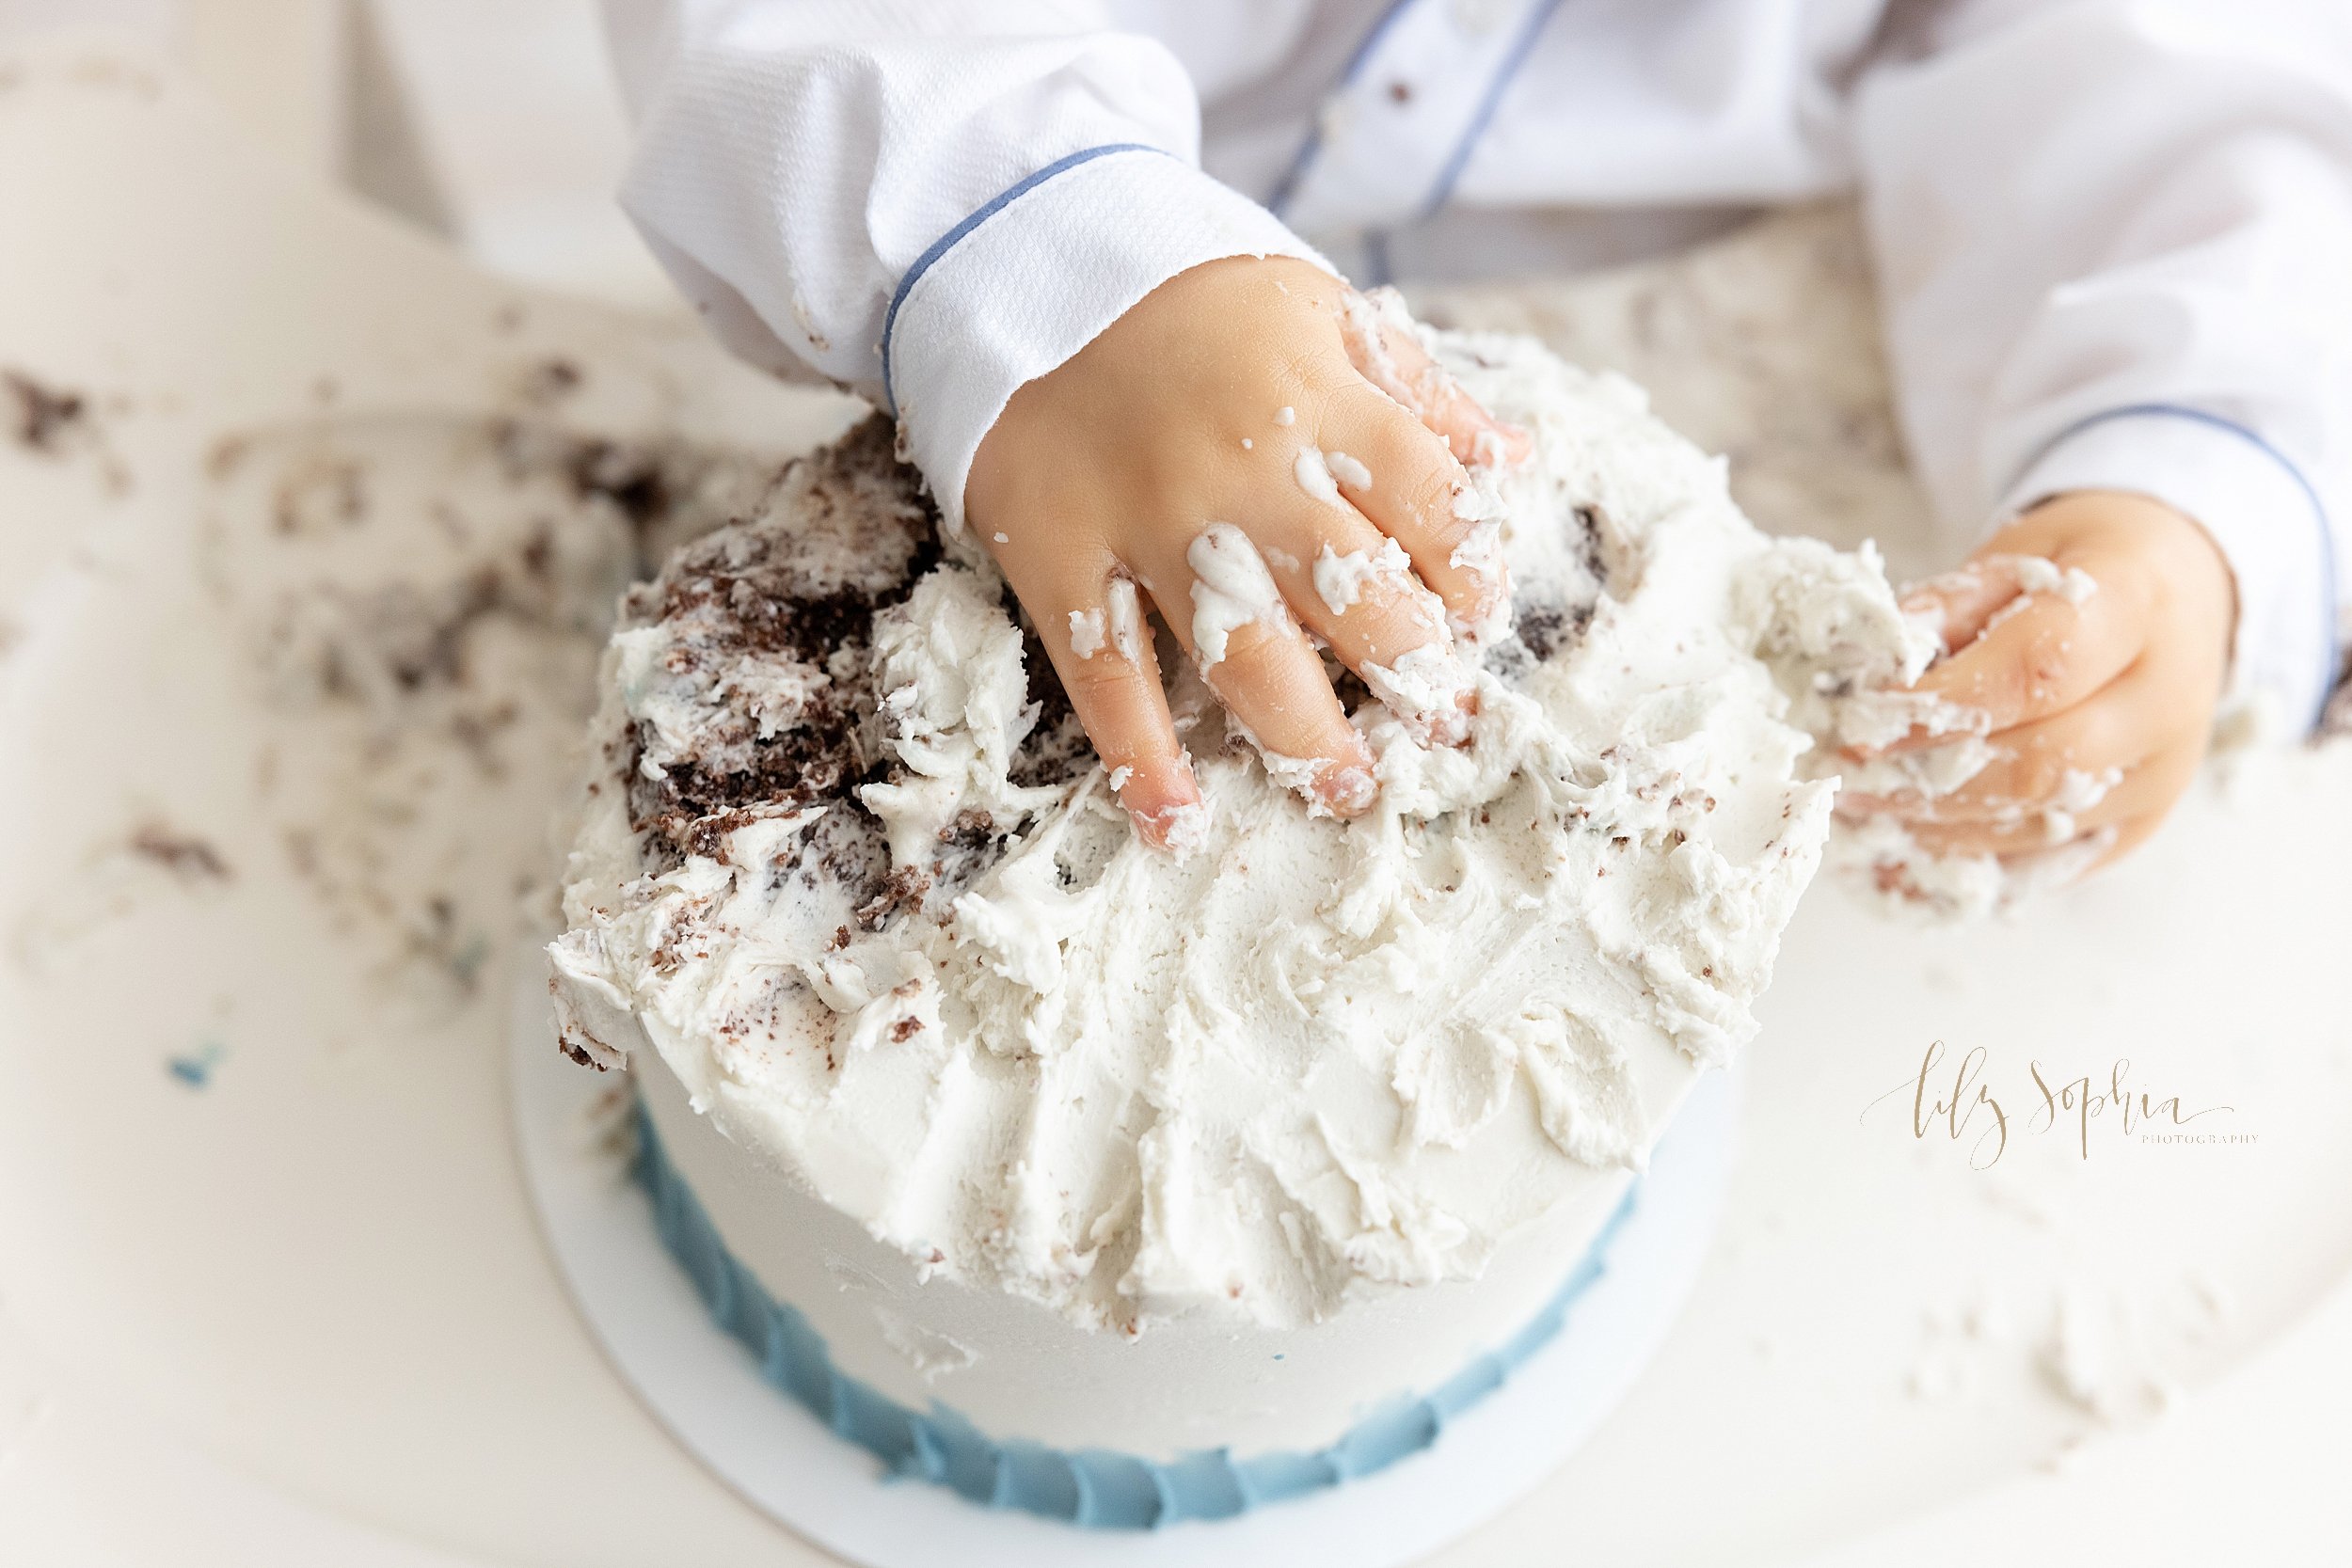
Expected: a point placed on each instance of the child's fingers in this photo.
(1230, 615)
(2037, 655)
(1381, 342)
(1962, 600)
(1406, 480)
(1354, 587)
(2059, 757)
(2130, 835)
(2145, 791)
(1101, 648)
(2025, 829)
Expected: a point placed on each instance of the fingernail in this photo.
(1347, 789)
(1504, 446)
(1164, 803)
(1181, 829)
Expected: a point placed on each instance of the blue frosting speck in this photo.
(194, 1070)
(1093, 1487)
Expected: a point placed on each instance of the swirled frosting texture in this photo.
(864, 892)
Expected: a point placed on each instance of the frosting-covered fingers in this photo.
(1101, 648)
(1235, 621)
(1959, 603)
(2125, 838)
(1387, 351)
(2064, 761)
(1409, 486)
(2086, 805)
(1355, 587)
(2040, 652)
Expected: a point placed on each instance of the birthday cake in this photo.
(1125, 1186)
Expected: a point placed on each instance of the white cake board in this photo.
(707, 1389)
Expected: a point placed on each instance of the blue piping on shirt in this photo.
(1458, 159)
(1287, 186)
(1520, 48)
(2310, 493)
(995, 204)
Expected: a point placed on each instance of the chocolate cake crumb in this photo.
(578, 1053)
(760, 589)
(184, 855)
(656, 488)
(1545, 628)
(904, 887)
(1590, 521)
(324, 490)
(768, 693)
(627, 477)
(970, 830)
(45, 416)
(550, 380)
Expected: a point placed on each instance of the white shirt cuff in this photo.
(2257, 507)
(1033, 277)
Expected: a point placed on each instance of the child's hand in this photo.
(1245, 449)
(2097, 692)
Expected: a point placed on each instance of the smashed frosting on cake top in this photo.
(848, 869)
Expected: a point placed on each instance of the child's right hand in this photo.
(1245, 449)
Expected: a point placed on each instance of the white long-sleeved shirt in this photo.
(2114, 237)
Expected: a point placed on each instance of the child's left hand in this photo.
(2098, 702)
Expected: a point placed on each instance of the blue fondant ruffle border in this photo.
(1093, 1487)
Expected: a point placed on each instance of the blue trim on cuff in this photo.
(1457, 161)
(2310, 493)
(995, 204)
(1504, 73)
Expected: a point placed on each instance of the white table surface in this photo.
(302, 1316)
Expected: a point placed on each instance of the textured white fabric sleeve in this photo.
(2258, 508)
(2114, 238)
(928, 202)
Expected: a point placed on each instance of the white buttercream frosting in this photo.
(1230, 589)
(1341, 579)
(1348, 471)
(1314, 477)
(1312, 1057)
(1121, 603)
